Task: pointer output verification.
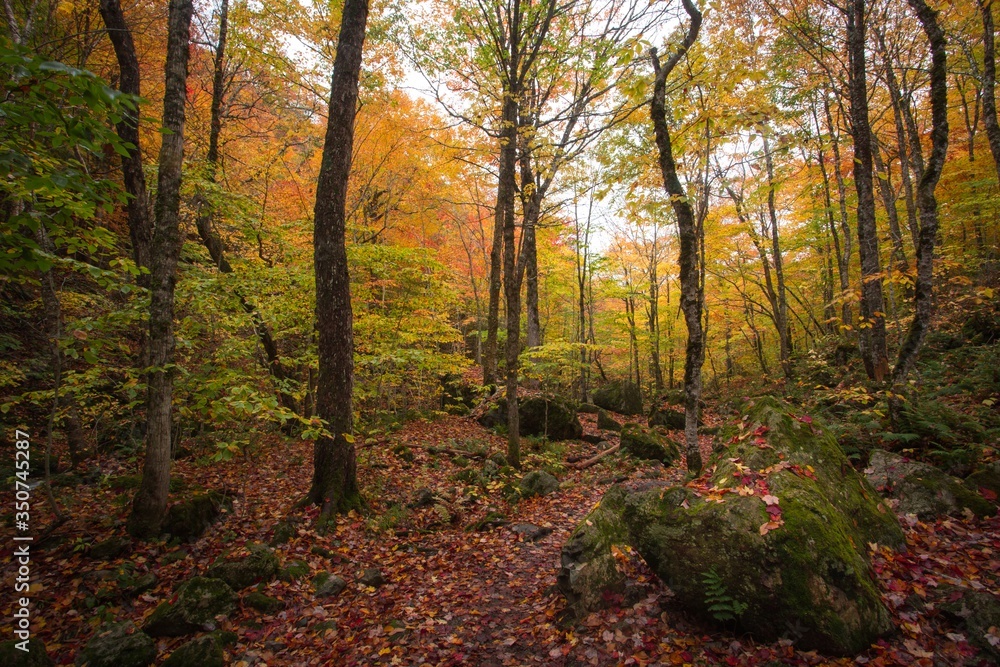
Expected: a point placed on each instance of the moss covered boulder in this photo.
(538, 483)
(647, 444)
(668, 418)
(34, 656)
(118, 645)
(978, 612)
(922, 489)
(260, 565)
(606, 422)
(199, 600)
(548, 416)
(619, 396)
(781, 524)
(188, 520)
(201, 652)
(986, 481)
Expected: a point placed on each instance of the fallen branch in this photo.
(430, 448)
(594, 459)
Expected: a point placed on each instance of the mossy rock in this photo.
(808, 576)
(988, 478)
(283, 532)
(294, 571)
(201, 652)
(922, 489)
(538, 483)
(35, 656)
(111, 548)
(263, 603)
(978, 612)
(606, 422)
(588, 409)
(199, 600)
(619, 396)
(188, 520)
(644, 443)
(328, 585)
(548, 416)
(261, 565)
(668, 418)
(118, 645)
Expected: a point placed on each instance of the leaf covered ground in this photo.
(464, 584)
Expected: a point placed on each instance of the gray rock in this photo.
(199, 600)
(530, 531)
(538, 483)
(922, 489)
(118, 645)
(263, 603)
(261, 565)
(201, 652)
(372, 577)
(422, 498)
(328, 585)
(619, 396)
(188, 520)
(606, 422)
(977, 612)
(668, 418)
(35, 656)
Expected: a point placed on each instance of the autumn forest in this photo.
(499, 332)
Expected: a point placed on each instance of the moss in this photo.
(199, 601)
(201, 652)
(646, 444)
(119, 645)
(620, 396)
(548, 416)
(260, 565)
(263, 603)
(294, 571)
(188, 520)
(35, 656)
(606, 422)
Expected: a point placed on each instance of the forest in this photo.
(499, 332)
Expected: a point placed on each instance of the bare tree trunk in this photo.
(334, 483)
(889, 203)
(140, 218)
(781, 305)
(512, 285)
(150, 503)
(493, 312)
(690, 274)
(924, 286)
(874, 352)
(844, 258)
(989, 83)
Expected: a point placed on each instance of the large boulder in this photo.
(189, 519)
(538, 483)
(606, 422)
(204, 651)
(986, 480)
(668, 418)
(978, 612)
(644, 443)
(780, 527)
(922, 489)
(199, 600)
(548, 416)
(619, 396)
(260, 565)
(118, 645)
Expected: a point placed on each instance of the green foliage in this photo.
(721, 605)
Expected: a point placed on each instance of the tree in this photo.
(923, 297)
(334, 483)
(689, 257)
(150, 503)
(989, 82)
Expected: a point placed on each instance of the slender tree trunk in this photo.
(493, 312)
(654, 322)
(150, 503)
(506, 191)
(874, 352)
(334, 483)
(924, 286)
(690, 274)
(889, 203)
(844, 258)
(781, 305)
(842, 270)
(989, 83)
(140, 218)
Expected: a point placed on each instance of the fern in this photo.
(721, 605)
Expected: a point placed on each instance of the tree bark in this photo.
(140, 218)
(924, 285)
(506, 191)
(781, 303)
(989, 83)
(844, 256)
(493, 313)
(690, 274)
(150, 503)
(889, 203)
(873, 339)
(334, 483)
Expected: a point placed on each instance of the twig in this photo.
(594, 459)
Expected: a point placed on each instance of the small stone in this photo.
(538, 483)
(372, 577)
(328, 585)
(530, 531)
(263, 603)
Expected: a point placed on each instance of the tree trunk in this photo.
(889, 203)
(334, 483)
(844, 258)
(506, 190)
(873, 341)
(781, 305)
(690, 274)
(493, 314)
(924, 285)
(150, 503)
(140, 219)
(989, 83)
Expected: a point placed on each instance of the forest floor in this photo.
(454, 595)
